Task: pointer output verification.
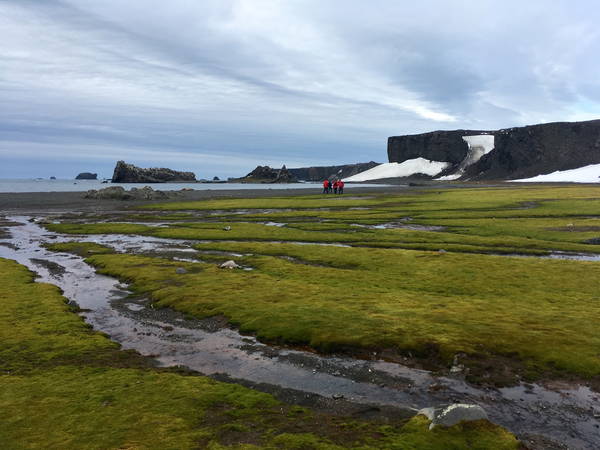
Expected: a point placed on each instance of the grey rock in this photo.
(128, 173)
(119, 193)
(181, 271)
(451, 415)
(265, 174)
(230, 265)
(321, 173)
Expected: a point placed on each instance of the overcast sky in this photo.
(218, 87)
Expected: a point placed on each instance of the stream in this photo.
(569, 416)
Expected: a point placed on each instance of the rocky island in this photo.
(128, 173)
(265, 174)
(87, 176)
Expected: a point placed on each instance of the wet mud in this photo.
(543, 416)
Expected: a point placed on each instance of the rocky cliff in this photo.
(519, 152)
(128, 173)
(322, 172)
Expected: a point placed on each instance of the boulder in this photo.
(119, 193)
(181, 271)
(451, 415)
(87, 176)
(128, 173)
(230, 265)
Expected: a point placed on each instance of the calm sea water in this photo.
(44, 185)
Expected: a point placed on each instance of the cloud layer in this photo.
(220, 86)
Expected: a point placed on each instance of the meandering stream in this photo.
(569, 416)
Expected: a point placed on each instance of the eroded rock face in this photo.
(87, 176)
(323, 172)
(128, 173)
(520, 152)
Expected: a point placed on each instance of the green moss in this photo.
(64, 386)
(80, 248)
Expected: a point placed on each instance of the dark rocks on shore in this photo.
(118, 193)
(128, 173)
(519, 152)
(87, 176)
(265, 174)
(320, 173)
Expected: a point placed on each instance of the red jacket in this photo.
(326, 183)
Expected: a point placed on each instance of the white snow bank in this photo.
(403, 169)
(585, 174)
(479, 145)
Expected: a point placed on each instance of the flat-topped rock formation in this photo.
(512, 153)
(87, 176)
(128, 173)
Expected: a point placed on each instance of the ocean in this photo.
(61, 185)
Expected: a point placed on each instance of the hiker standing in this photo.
(341, 187)
(335, 186)
(326, 186)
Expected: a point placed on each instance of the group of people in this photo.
(336, 186)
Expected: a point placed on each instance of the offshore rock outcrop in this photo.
(87, 176)
(519, 152)
(320, 173)
(265, 174)
(128, 173)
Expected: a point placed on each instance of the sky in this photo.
(220, 86)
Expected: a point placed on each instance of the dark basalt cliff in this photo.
(447, 146)
(128, 173)
(323, 172)
(87, 176)
(525, 152)
(519, 152)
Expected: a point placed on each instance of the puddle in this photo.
(400, 225)
(565, 415)
(557, 255)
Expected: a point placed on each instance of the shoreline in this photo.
(74, 201)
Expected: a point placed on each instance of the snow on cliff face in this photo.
(479, 145)
(585, 174)
(403, 169)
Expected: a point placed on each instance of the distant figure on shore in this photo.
(335, 186)
(340, 187)
(326, 187)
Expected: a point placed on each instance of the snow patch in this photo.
(479, 145)
(403, 169)
(585, 174)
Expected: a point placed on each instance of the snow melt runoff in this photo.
(479, 145)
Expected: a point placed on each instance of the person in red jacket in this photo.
(335, 186)
(326, 186)
(340, 187)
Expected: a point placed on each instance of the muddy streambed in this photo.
(570, 416)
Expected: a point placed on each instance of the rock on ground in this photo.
(119, 193)
(453, 414)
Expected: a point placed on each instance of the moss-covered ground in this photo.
(393, 290)
(64, 386)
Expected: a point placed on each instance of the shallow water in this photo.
(566, 415)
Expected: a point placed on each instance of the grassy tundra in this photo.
(440, 278)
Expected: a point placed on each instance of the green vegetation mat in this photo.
(393, 290)
(64, 386)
